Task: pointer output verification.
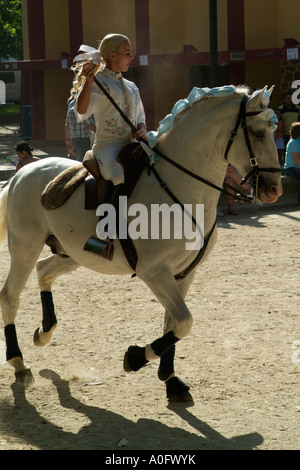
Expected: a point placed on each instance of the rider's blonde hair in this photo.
(79, 78)
(111, 43)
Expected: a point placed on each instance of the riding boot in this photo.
(105, 248)
(107, 195)
(111, 196)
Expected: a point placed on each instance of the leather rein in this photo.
(241, 121)
(253, 174)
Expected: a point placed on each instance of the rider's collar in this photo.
(112, 74)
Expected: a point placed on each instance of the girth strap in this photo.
(201, 252)
(198, 258)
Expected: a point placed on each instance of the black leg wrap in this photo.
(178, 391)
(49, 318)
(135, 358)
(161, 345)
(12, 347)
(166, 366)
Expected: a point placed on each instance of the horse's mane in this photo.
(197, 95)
(241, 89)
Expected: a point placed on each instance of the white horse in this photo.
(197, 141)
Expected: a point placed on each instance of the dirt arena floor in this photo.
(241, 360)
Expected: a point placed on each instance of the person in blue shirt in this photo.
(290, 113)
(292, 155)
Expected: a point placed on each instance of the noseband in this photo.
(254, 174)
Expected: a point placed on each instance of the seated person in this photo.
(23, 150)
(292, 155)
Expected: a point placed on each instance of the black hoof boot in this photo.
(134, 359)
(178, 391)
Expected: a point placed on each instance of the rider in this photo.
(112, 132)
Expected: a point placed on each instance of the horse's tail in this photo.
(3, 213)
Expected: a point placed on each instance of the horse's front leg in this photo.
(164, 286)
(176, 389)
(48, 269)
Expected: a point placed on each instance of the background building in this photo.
(171, 41)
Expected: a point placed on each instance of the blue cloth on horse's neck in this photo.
(195, 95)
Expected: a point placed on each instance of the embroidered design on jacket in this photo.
(114, 127)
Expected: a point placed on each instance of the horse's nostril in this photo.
(277, 190)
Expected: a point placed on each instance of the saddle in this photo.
(132, 158)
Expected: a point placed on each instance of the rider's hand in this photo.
(87, 72)
(141, 133)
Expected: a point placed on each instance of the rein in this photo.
(242, 197)
(241, 121)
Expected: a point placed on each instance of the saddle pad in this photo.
(58, 191)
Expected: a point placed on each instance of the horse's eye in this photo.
(259, 134)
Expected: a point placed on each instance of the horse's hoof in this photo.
(24, 377)
(178, 391)
(134, 359)
(36, 338)
(41, 338)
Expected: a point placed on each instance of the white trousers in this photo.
(106, 156)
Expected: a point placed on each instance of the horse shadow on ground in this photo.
(23, 422)
(253, 215)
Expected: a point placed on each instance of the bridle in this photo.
(254, 174)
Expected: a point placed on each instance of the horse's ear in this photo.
(260, 99)
(271, 90)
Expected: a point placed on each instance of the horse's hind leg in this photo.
(22, 263)
(48, 269)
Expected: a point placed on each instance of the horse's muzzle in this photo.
(270, 194)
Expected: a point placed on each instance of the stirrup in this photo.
(104, 248)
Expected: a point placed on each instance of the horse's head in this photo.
(258, 161)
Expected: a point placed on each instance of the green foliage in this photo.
(11, 29)
(9, 109)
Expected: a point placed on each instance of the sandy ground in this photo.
(241, 359)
